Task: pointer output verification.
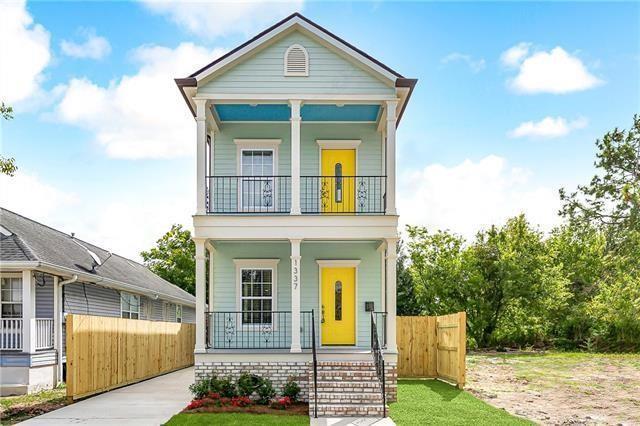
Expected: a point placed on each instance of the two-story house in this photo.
(296, 222)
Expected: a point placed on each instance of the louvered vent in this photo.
(296, 61)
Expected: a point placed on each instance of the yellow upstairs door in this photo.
(338, 181)
(338, 311)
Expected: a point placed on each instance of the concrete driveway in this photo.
(151, 402)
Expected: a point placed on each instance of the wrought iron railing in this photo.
(381, 327)
(342, 194)
(315, 365)
(378, 359)
(248, 194)
(256, 330)
(11, 334)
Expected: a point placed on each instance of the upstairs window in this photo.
(296, 61)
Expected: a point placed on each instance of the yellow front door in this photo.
(338, 181)
(338, 311)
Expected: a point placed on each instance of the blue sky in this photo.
(104, 154)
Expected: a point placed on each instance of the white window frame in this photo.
(3, 302)
(244, 264)
(257, 145)
(125, 295)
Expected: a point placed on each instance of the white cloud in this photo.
(93, 47)
(472, 196)
(513, 56)
(548, 127)
(24, 52)
(140, 115)
(555, 71)
(476, 65)
(213, 19)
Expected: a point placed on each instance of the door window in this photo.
(257, 178)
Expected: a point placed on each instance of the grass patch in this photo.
(14, 409)
(236, 419)
(424, 402)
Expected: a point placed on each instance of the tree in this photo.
(612, 199)
(173, 258)
(406, 300)
(7, 165)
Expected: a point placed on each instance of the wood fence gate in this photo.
(104, 353)
(433, 346)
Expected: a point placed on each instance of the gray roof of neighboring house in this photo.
(33, 241)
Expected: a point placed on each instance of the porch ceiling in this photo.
(309, 112)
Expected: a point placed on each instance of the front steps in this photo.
(346, 389)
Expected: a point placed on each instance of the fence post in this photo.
(69, 353)
(462, 348)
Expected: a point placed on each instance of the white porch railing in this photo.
(11, 334)
(44, 333)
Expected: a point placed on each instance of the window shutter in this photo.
(296, 61)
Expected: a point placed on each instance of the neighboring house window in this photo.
(256, 290)
(178, 313)
(11, 297)
(166, 311)
(130, 305)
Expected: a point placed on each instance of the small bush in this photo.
(196, 403)
(240, 401)
(266, 392)
(227, 388)
(248, 383)
(281, 403)
(201, 388)
(291, 390)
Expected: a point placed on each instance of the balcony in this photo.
(318, 195)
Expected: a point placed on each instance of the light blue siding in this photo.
(328, 73)
(368, 277)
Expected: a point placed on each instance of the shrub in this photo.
(291, 390)
(266, 392)
(240, 401)
(227, 388)
(224, 401)
(201, 388)
(196, 403)
(248, 383)
(281, 403)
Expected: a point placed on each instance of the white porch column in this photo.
(295, 155)
(201, 122)
(210, 171)
(200, 294)
(391, 294)
(391, 157)
(212, 251)
(28, 312)
(295, 296)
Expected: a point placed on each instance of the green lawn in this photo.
(424, 402)
(237, 419)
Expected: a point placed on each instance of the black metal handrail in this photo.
(343, 194)
(315, 364)
(256, 329)
(248, 194)
(378, 359)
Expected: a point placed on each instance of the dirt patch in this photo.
(559, 389)
(295, 409)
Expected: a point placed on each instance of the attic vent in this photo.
(296, 61)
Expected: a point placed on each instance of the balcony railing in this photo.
(318, 194)
(256, 330)
(248, 194)
(342, 194)
(11, 334)
(44, 333)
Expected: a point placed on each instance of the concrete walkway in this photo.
(151, 402)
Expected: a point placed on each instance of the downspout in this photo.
(71, 280)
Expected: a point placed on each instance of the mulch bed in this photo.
(21, 412)
(295, 409)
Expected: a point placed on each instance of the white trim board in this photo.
(338, 143)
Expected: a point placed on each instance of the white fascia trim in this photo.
(327, 263)
(256, 263)
(338, 143)
(316, 32)
(257, 98)
(257, 143)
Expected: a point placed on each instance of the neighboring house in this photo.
(46, 273)
(296, 211)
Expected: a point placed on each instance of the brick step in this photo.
(348, 410)
(351, 398)
(346, 365)
(346, 386)
(347, 375)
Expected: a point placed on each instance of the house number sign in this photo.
(295, 272)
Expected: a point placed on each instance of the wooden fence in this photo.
(104, 353)
(433, 347)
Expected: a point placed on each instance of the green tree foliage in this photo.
(7, 165)
(407, 301)
(173, 258)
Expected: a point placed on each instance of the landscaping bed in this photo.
(14, 409)
(295, 409)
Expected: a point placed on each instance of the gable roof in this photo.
(297, 19)
(30, 241)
